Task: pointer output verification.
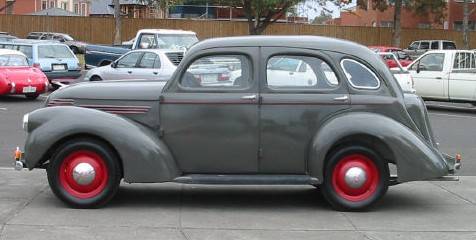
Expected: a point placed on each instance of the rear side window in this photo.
(27, 50)
(464, 60)
(301, 72)
(434, 45)
(148, 60)
(359, 75)
(449, 45)
(54, 51)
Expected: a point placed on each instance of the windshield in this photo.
(176, 41)
(54, 51)
(13, 60)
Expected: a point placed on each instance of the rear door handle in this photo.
(439, 78)
(342, 99)
(155, 73)
(129, 72)
(249, 97)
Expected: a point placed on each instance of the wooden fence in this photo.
(101, 30)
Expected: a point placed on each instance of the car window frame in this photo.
(183, 70)
(298, 89)
(137, 61)
(142, 57)
(417, 63)
(366, 67)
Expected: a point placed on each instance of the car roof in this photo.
(35, 42)
(156, 50)
(167, 31)
(428, 40)
(385, 47)
(9, 51)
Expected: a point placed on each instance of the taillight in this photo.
(36, 65)
(223, 77)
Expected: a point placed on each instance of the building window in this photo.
(83, 9)
(64, 6)
(76, 8)
(52, 4)
(458, 25)
(386, 24)
(44, 5)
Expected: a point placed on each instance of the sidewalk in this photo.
(420, 210)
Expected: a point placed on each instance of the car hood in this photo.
(112, 90)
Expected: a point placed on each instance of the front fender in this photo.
(415, 158)
(145, 158)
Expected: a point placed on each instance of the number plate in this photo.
(209, 78)
(58, 67)
(29, 89)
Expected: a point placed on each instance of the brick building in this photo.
(453, 19)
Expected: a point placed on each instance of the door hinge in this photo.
(260, 153)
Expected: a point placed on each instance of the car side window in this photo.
(218, 72)
(449, 45)
(129, 61)
(147, 41)
(413, 46)
(464, 60)
(148, 60)
(432, 62)
(359, 75)
(424, 45)
(298, 72)
(434, 45)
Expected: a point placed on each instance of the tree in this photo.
(322, 18)
(118, 22)
(466, 14)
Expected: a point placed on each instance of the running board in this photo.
(247, 179)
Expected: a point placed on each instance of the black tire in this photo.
(63, 155)
(95, 78)
(340, 200)
(32, 96)
(75, 50)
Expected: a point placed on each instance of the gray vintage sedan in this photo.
(294, 110)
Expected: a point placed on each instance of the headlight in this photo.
(25, 122)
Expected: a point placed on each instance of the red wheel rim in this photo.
(93, 187)
(368, 183)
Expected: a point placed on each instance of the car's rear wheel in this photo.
(32, 96)
(95, 78)
(84, 173)
(355, 178)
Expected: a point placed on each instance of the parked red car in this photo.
(403, 58)
(17, 77)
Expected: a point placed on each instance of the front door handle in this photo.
(249, 97)
(155, 73)
(342, 99)
(439, 78)
(129, 72)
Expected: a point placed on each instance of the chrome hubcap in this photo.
(355, 177)
(84, 173)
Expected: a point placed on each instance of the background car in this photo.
(403, 76)
(417, 48)
(402, 57)
(150, 64)
(5, 37)
(55, 59)
(17, 77)
(76, 46)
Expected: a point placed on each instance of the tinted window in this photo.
(299, 72)
(424, 45)
(54, 51)
(129, 61)
(27, 50)
(434, 45)
(413, 46)
(432, 62)
(449, 45)
(359, 75)
(218, 71)
(148, 60)
(13, 60)
(147, 41)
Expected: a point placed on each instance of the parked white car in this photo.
(445, 75)
(147, 64)
(402, 76)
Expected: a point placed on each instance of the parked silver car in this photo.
(147, 64)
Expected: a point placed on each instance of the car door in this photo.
(430, 77)
(462, 80)
(124, 67)
(148, 67)
(213, 128)
(291, 112)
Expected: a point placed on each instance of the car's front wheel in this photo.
(84, 173)
(356, 177)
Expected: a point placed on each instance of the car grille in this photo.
(175, 57)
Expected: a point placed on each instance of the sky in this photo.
(311, 9)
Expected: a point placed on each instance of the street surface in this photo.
(420, 210)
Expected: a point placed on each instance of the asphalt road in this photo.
(455, 129)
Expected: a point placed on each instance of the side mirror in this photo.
(114, 64)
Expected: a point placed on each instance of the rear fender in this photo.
(414, 157)
(145, 158)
